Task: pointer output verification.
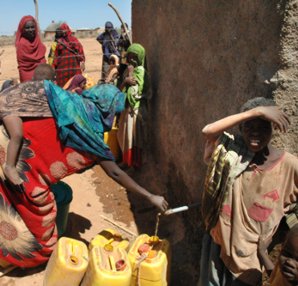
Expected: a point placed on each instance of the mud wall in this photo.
(206, 58)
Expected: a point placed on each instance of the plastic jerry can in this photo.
(149, 258)
(67, 264)
(109, 236)
(110, 138)
(108, 266)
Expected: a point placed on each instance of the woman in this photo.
(68, 57)
(250, 185)
(27, 217)
(30, 50)
(108, 40)
(132, 118)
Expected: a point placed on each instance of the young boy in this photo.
(22, 100)
(249, 187)
(285, 272)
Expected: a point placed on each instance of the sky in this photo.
(77, 14)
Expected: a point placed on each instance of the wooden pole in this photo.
(36, 11)
(122, 22)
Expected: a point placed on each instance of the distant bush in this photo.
(7, 40)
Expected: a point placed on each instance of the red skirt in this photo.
(27, 219)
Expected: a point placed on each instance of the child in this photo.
(76, 84)
(132, 119)
(23, 100)
(249, 187)
(285, 272)
(113, 70)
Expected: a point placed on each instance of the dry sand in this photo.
(97, 200)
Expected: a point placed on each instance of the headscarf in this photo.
(138, 50)
(82, 120)
(75, 82)
(116, 59)
(67, 35)
(109, 25)
(29, 54)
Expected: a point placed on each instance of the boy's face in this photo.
(256, 134)
(289, 260)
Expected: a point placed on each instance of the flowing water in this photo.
(157, 224)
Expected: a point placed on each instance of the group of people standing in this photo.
(122, 66)
(66, 55)
(50, 130)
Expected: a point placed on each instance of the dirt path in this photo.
(97, 200)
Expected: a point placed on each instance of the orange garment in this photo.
(276, 278)
(253, 208)
(113, 70)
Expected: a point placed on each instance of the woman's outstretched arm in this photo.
(113, 171)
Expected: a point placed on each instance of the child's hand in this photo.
(159, 202)
(290, 270)
(271, 113)
(130, 81)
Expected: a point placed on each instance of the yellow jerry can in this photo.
(149, 257)
(67, 264)
(109, 236)
(110, 138)
(108, 266)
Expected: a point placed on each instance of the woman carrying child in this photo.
(51, 149)
(249, 187)
(132, 118)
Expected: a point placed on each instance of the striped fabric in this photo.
(229, 159)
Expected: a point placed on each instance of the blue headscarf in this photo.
(83, 119)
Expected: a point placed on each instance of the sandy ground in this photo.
(98, 202)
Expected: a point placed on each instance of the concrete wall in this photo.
(206, 58)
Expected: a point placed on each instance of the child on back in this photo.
(285, 272)
(22, 100)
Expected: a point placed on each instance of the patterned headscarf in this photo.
(82, 120)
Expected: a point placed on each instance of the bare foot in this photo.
(12, 175)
